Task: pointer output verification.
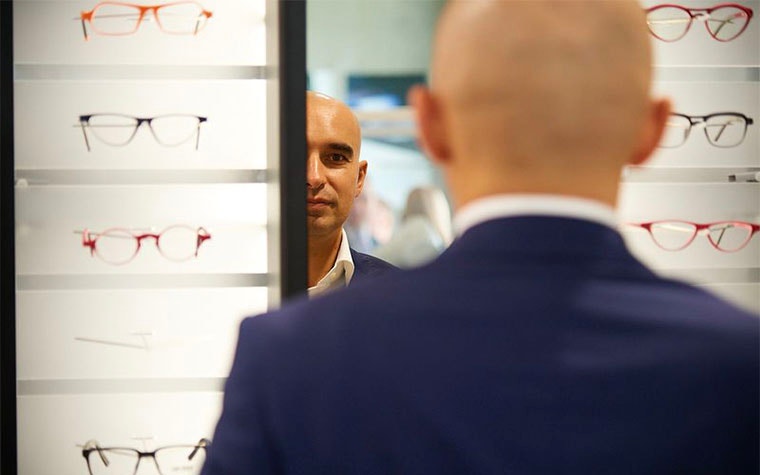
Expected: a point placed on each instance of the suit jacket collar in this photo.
(541, 235)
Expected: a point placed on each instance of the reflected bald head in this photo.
(329, 109)
(542, 84)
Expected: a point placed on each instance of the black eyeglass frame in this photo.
(84, 122)
(93, 446)
(695, 120)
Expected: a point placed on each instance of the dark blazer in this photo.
(366, 266)
(533, 345)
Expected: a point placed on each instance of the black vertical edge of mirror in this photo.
(292, 63)
(8, 453)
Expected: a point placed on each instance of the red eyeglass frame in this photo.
(755, 228)
(89, 241)
(694, 13)
(86, 16)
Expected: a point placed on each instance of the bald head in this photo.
(530, 88)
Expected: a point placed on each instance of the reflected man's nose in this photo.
(315, 178)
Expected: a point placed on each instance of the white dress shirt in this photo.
(510, 205)
(341, 272)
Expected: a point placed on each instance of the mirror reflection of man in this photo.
(334, 178)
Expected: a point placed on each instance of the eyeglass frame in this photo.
(700, 12)
(694, 121)
(755, 228)
(86, 16)
(93, 446)
(84, 123)
(202, 235)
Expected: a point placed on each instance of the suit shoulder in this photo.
(721, 324)
(366, 264)
(274, 324)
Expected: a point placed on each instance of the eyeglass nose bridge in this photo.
(154, 236)
(150, 455)
(702, 16)
(147, 122)
(140, 238)
(143, 120)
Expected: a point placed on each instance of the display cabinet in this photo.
(152, 170)
(708, 62)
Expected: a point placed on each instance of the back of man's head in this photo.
(539, 96)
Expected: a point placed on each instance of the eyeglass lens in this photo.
(729, 237)
(725, 130)
(671, 23)
(672, 236)
(178, 460)
(116, 246)
(123, 19)
(721, 130)
(115, 19)
(184, 18)
(178, 243)
(176, 129)
(676, 235)
(120, 461)
(726, 23)
(114, 130)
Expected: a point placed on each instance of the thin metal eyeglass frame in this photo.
(86, 17)
(93, 446)
(701, 120)
(84, 123)
(90, 239)
(754, 229)
(699, 14)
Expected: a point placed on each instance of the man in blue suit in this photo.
(334, 178)
(535, 344)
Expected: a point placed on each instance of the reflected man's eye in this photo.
(337, 157)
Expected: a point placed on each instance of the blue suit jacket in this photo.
(533, 345)
(366, 267)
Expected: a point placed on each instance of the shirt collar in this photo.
(341, 272)
(509, 205)
(344, 257)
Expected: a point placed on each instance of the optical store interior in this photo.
(169, 134)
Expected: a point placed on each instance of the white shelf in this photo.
(129, 72)
(30, 178)
(118, 386)
(139, 281)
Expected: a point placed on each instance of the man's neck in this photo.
(323, 250)
(601, 187)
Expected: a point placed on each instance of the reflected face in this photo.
(334, 173)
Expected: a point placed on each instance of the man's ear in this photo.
(431, 130)
(656, 121)
(361, 177)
